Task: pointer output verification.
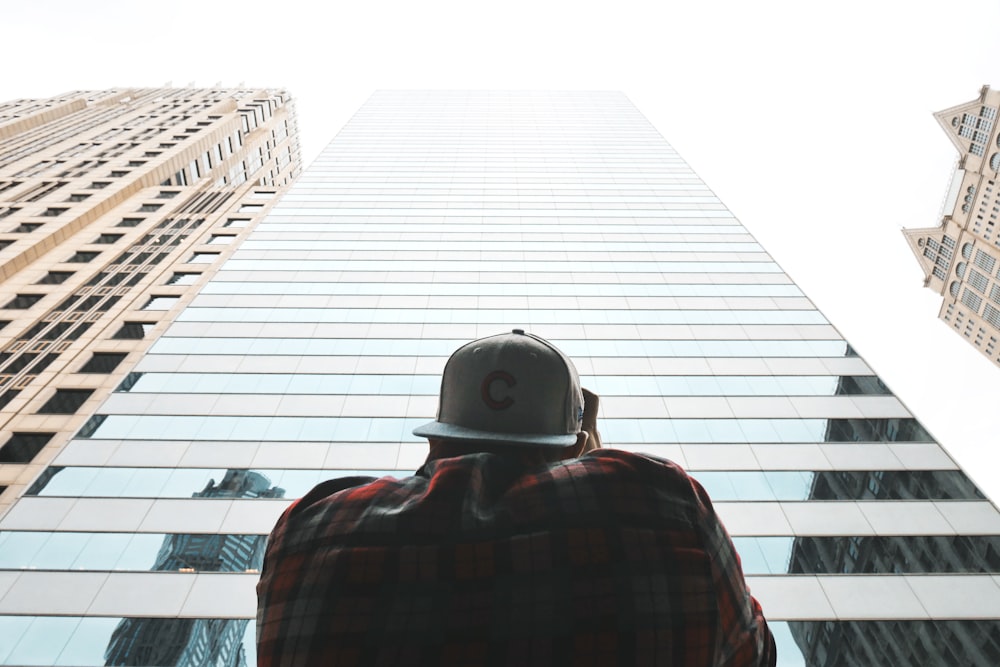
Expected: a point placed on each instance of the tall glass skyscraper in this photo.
(437, 217)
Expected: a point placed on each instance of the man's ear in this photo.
(577, 449)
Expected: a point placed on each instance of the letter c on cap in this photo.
(486, 390)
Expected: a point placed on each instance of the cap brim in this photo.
(440, 431)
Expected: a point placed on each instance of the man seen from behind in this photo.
(520, 541)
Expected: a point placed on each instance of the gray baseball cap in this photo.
(512, 388)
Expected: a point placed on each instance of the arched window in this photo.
(967, 251)
(953, 289)
(995, 162)
(960, 270)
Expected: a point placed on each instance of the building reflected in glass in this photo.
(844, 644)
(853, 643)
(188, 642)
(185, 642)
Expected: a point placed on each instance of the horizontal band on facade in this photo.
(756, 519)
(221, 595)
(85, 640)
(724, 485)
(180, 552)
(410, 456)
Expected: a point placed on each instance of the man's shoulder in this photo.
(495, 490)
(482, 472)
(623, 467)
(353, 490)
(615, 472)
(625, 461)
(495, 471)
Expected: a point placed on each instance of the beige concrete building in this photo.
(115, 206)
(961, 257)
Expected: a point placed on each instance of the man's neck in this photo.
(446, 449)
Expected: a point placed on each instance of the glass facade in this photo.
(438, 217)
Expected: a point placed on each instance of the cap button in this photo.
(518, 331)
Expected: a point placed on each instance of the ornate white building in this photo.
(961, 257)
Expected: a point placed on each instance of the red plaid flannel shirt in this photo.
(610, 559)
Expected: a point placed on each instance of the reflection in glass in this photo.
(869, 554)
(179, 642)
(429, 385)
(480, 245)
(197, 642)
(940, 642)
(399, 429)
(89, 482)
(354, 229)
(852, 554)
(497, 316)
(975, 643)
(861, 384)
(876, 430)
(861, 555)
(839, 485)
(417, 288)
(239, 262)
(43, 550)
(741, 485)
(427, 347)
(894, 485)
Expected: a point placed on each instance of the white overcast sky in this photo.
(812, 121)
